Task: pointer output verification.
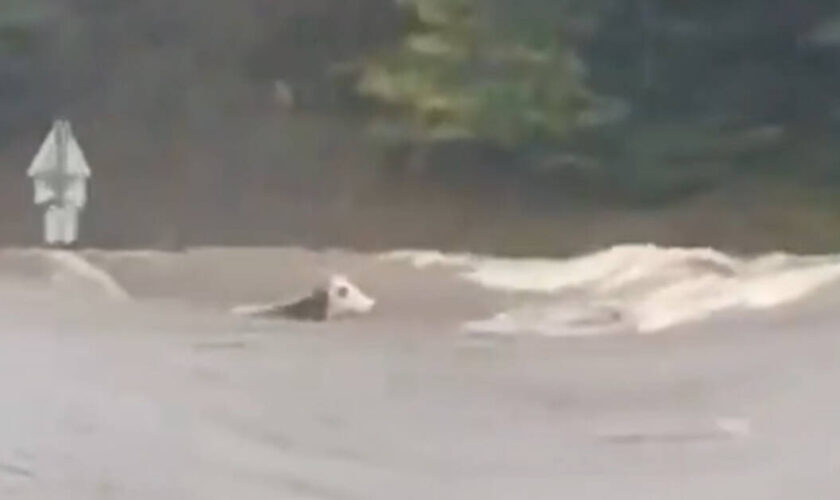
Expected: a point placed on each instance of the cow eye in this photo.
(342, 291)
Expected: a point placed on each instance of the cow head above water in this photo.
(345, 299)
(338, 297)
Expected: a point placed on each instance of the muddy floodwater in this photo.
(124, 377)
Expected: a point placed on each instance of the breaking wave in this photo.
(65, 273)
(642, 288)
(627, 288)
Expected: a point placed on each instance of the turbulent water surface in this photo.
(124, 376)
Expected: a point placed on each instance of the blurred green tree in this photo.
(19, 20)
(469, 70)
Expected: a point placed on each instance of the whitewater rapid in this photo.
(638, 288)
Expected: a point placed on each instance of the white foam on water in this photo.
(63, 272)
(74, 271)
(422, 259)
(561, 320)
(642, 288)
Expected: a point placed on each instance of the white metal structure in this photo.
(60, 173)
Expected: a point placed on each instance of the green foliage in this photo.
(466, 72)
(18, 22)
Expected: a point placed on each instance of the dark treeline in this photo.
(249, 122)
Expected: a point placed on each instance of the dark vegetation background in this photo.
(245, 122)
